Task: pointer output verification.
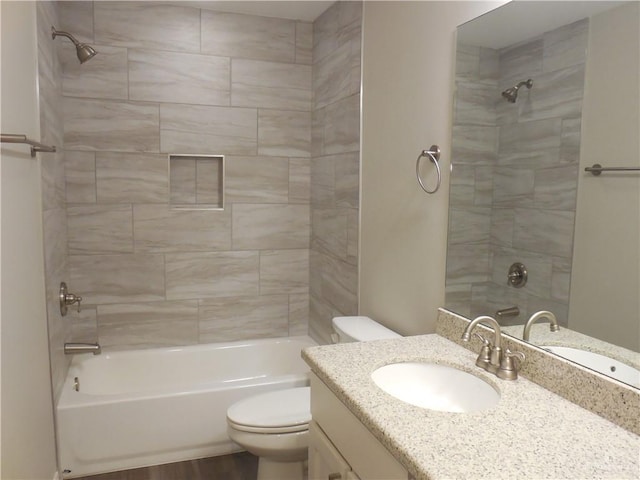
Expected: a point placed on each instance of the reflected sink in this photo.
(435, 387)
(600, 363)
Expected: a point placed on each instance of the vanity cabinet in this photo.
(341, 447)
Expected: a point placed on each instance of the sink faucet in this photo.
(72, 348)
(553, 323)
(495, 348)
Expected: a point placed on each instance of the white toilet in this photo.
(275, 426)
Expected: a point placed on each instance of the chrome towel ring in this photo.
(434, 154)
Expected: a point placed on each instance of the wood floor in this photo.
(240, 466)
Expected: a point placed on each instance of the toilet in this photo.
(274, 426)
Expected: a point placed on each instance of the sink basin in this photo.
(599, 363)
(435, 387)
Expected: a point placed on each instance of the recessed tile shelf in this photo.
(196, 182)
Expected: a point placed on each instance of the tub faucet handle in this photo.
(67, 298)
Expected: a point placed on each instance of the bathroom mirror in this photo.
(542, 91)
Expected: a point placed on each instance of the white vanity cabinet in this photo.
(341, 447)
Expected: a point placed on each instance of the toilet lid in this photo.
(282, 410)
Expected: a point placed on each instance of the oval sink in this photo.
(600, 363)
(435, 387)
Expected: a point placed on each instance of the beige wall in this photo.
(605, 282)
(408, 66)
(28, 445)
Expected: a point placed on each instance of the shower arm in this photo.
(55, 33)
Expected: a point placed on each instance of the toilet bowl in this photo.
(274, 426)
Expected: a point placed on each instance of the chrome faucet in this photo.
(553, 323)
(495, 348)
(73, 348)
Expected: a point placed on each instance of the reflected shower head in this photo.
(511, 94)
(85, 52)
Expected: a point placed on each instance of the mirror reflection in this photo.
(543, 91)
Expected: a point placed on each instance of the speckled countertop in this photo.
(532, 433)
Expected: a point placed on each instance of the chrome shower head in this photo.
(511, 94)
(83, 51)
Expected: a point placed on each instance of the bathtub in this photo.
(147, 407)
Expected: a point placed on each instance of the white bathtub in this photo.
(147, 407)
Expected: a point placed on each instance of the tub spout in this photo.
(73, 348)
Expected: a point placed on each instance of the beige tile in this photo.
(323, 183)
(284, 133)
(110, 125)
(159, 76)
(304, 43)
(270, 226)
(347, 180)
(131, 178)
(76, 17)
(239, 318)
(336, 282)
(248, 36)
(100, 229)
(330, 230)
(284, 271)
(257, 179)
(342, 126)
(84, 325)
(337, 76)
(80, 176)
(182, 180)
(145, 325)
(160, 229)
(353, 232)
(117, 278)
(211, 130)
(213, 274)
(105, 76)
(270, 85)
(299, 314)
(299, 180)
(147, 25)
(209, 178)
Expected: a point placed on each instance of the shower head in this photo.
(511, 94)
(85, 52)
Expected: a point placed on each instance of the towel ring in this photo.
(434, 154)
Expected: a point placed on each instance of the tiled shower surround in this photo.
(515, 170)
(171, 79)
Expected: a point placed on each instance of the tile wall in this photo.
(172, 79)
(514, 179)
(54, 213)
(335, 166)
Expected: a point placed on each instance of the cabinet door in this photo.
(325, 462)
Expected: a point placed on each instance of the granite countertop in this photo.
(532, 433)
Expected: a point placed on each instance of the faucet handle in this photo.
(508, 367)
(485, 352)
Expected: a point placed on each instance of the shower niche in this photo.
(196, 182)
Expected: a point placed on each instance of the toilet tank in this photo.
(359, 329)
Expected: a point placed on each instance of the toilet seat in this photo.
(280, 411)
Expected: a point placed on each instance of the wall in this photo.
(606, 282)
(406, 106)
(513, 196)
(335, 166)
(28, 442)
(175, 79)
